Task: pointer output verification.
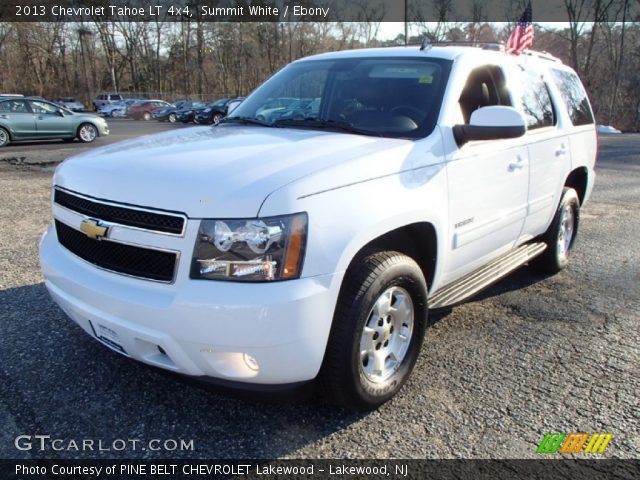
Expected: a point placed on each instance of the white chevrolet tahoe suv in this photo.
(267, 253)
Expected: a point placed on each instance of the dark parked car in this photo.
(188, 115)
(144, 110)
(216, 111)
(171, 114)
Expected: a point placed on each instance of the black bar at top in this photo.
(308, 11)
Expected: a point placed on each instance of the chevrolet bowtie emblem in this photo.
(93, 229)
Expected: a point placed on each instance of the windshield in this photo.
(392, 97)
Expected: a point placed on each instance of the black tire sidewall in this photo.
(359, 392)
(569, 197)
(550, 261)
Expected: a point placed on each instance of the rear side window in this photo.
(574, 96)
(13, 106)
(536, 102)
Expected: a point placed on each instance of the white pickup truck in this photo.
(311, 247)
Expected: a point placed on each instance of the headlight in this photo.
(206, 110)
(259, 249)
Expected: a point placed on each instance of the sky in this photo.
(390, 30)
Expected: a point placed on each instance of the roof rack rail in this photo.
(542, 55)
(455, 43)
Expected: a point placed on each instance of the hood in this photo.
(79, 116)
(223, 171)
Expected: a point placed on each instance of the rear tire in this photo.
(4, 137)
(377, 331)
(561, 234)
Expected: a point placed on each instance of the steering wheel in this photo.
(412, 112)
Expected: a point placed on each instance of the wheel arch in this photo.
(418, 241)
(8, 130)
(578, 179)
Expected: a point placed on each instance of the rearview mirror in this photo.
(491, 123)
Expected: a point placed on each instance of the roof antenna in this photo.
(426, 44)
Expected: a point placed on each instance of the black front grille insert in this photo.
(125, 216)
(118, 257)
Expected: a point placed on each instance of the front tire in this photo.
(87, 133)
(172, 118)
(216, 118)
(377, 331)
(561, 234)
(146, 116)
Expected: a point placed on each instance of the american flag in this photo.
(522, 36)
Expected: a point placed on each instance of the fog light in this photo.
(251, 362)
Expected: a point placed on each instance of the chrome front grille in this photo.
(127, 244)
(123, 215)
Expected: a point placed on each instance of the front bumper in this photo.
(198, 327)
(103, 129)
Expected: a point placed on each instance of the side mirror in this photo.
(491, 123)
(60, 112)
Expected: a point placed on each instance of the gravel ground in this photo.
(529, 356)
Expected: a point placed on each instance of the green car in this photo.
(30, 119)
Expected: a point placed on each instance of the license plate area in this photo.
(108, 336)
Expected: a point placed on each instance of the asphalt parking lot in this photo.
(531, 355)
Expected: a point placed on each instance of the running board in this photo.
(472, 283)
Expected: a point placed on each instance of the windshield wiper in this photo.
(311, 122)
(248, 121)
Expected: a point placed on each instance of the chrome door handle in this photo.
(517, 165)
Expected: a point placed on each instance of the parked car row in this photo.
(185, 111)
(188, 111)
(111, 106)
(173, 112)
